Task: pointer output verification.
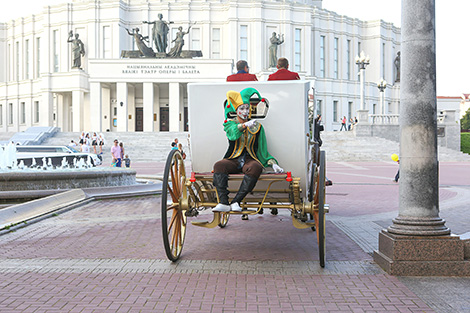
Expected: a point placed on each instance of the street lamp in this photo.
(362, 60)
(382, 84)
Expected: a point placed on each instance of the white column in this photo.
(45, 109)
(106, 118)
(156, 107)
(174, 97)
(96, 109)
(362, 72)
(130, 108)
(148, 107)
(77, 107)
(121, 97)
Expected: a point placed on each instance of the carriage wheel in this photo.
(223, 219)
(321, 234)
(173, 217)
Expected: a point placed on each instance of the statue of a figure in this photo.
(397, 67)
(78, 49)
(160, 31)
(175, 52)
(275, 41)
(139, 40)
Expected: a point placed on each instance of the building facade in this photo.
(40, 87)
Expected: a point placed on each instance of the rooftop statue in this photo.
(139, 40)
(160, 31)
(175, 52)
(78, 50)
(275, 41)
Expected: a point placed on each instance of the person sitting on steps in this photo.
(247, 152)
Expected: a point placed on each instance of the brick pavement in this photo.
(107, 256)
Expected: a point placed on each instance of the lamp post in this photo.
(382, 84)
(362, 61)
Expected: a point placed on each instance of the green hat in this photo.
(247, 93)
(235, 99)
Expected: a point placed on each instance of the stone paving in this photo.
(107, 256)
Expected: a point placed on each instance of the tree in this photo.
(465, 120)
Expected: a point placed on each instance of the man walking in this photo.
(116, 153)
(242, 74)
(282, 71)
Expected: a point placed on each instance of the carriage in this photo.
(284, 114)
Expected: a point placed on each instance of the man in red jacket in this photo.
(282, 71)
(242, 74)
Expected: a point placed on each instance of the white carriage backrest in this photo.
(286, 123)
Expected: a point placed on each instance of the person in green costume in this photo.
(247, 152)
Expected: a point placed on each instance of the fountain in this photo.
(76, 173)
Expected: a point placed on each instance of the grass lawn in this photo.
(465, 142)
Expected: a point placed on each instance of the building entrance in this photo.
(139, 119)
(164, 119)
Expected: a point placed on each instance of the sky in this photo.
(452, 28)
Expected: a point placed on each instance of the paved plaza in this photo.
(108, 256)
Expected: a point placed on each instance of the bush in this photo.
(465, 142)
(465, 120)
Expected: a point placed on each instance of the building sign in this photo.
(155, 70)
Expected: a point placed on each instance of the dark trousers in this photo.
(251, 167)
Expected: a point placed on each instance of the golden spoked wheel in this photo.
(173, 216)
(223, 219)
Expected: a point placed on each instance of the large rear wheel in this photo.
(321, 234)
(173, 216)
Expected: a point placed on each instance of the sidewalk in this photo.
(107, 256)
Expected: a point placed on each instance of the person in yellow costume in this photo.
(247, 152)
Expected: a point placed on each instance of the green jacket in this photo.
(252, 138)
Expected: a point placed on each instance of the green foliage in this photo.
(465, 120)
(465, 142)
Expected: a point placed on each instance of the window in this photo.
(348, 59)
(36, 111)
(336, 60)
(17, 60)
(38, 56)
(297, 49)
(106, 42)
(23, 112)
(216, 43)
(322, 56)
(335, 111)
(383, 60)
(55, 50)
(374, 108)
(1, 114)
(318, 107)
(26, 57)
(243, 42)
(115, 111)
(195, 38)
(10, 113)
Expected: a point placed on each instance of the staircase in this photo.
(345, 147)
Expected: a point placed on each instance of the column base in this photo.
(421, 255)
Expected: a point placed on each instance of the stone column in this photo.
(418, 242)
(174, 95)
(148, 107)
(77, 107)
(96, 109)
(121, 97)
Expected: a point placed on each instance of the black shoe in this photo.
(245, 217)
(328, 183)
(274, 211)
(247, 185)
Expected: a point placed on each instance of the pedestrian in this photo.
(94, 141)
(122, 150)
(81, 139)
(351, 124)
(174, 146)
(73, 144)
(116, 153)
(243, 73)
(343, 124)
(397, 175)
(127, 161)
(180, 148)
(101, 142)
(282, 72)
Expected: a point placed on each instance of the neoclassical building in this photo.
(39, 85)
